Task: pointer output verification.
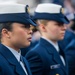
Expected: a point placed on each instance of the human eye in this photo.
(59, 24)
(25, 26)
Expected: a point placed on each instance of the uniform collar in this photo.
(55, 45)
(15, 53)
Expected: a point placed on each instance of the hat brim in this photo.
(17, 17)
(30, 21)
(55, 17)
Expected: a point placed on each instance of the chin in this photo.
(27, 44)
(61, 38)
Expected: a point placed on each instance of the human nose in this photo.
(30, 31)
(64, 27)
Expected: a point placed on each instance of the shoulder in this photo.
(69, 34)
(71, 45)
(3, 61)
(36, 51)
(4, 65)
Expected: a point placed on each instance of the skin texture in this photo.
(18, 37)
(53, 30)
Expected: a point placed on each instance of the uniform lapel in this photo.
(11, 59)
(55, 56)
(52, 51)
(26, 66)
(66, 62)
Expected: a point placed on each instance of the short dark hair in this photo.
(7, 26)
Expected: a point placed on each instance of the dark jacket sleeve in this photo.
(1, 71)
(70, 53)
(35, 63)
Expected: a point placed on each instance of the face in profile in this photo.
(21, 35)
(55, 30)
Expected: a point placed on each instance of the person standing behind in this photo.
(70, 54)
(15, 33)
(47, 58)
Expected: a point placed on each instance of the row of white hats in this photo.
(12, 11)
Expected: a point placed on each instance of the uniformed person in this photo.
(47, 58)
(15, 33)
(70, 54)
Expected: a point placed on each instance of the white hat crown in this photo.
(11, 7)
(48, 8)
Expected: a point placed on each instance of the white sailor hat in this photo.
(49, 11)
(14, 12)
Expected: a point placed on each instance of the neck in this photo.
(11, 46)
(54, 41)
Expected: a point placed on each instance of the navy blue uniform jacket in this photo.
(70, 53)
(45, 60)
(69, 36)
(9, 64)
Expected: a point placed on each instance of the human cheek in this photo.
(22, 33)
(54, 31)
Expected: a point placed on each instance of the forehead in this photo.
(15, 25)
(55, 22)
